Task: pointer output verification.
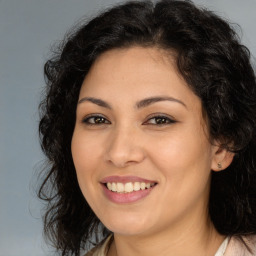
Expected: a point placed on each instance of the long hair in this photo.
(216, 67)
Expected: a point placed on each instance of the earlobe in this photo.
(222, 159)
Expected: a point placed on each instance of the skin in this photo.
(173, 219)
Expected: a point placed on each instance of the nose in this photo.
(125, 147)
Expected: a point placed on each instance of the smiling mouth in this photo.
(129, 187)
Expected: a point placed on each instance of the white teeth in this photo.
(136, 186)
(128, 187)
(120, 187)
(113, 187)
(109, 185)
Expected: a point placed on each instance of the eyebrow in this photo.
(96, 101)
(140, 104)
(148, 101)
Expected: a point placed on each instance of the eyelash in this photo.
(95, 117)
(160, 120)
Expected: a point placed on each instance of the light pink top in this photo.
(230, 247)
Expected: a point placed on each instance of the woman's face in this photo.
(140, 144)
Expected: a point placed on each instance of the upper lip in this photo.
(125, 179)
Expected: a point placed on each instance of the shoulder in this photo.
(101, 249)
(243, 246)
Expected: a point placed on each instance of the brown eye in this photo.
(99, 120)
(95, 120)
(160, 120)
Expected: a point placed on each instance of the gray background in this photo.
(27, 30)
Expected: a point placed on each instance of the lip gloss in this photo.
(122, 198)
(126, 197)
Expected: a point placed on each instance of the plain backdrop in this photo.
(28, 28)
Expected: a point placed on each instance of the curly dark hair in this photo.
(215, 65)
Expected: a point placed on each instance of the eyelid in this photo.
(94, 115)
(160, 115)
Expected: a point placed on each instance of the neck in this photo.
(193, 239)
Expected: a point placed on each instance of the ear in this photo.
(221, 159)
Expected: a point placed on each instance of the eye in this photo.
(160, 120)
(95, 120)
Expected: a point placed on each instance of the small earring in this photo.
(219, 165)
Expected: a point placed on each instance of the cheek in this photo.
(85, 155)
(171, 150)
(185, 172)
(182, 158)
(85, 151)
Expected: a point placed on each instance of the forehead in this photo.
(135, 73)
(134, 68)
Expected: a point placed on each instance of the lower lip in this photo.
(123, 198)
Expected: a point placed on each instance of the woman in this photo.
(149, 124)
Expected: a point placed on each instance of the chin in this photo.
(127, 226)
